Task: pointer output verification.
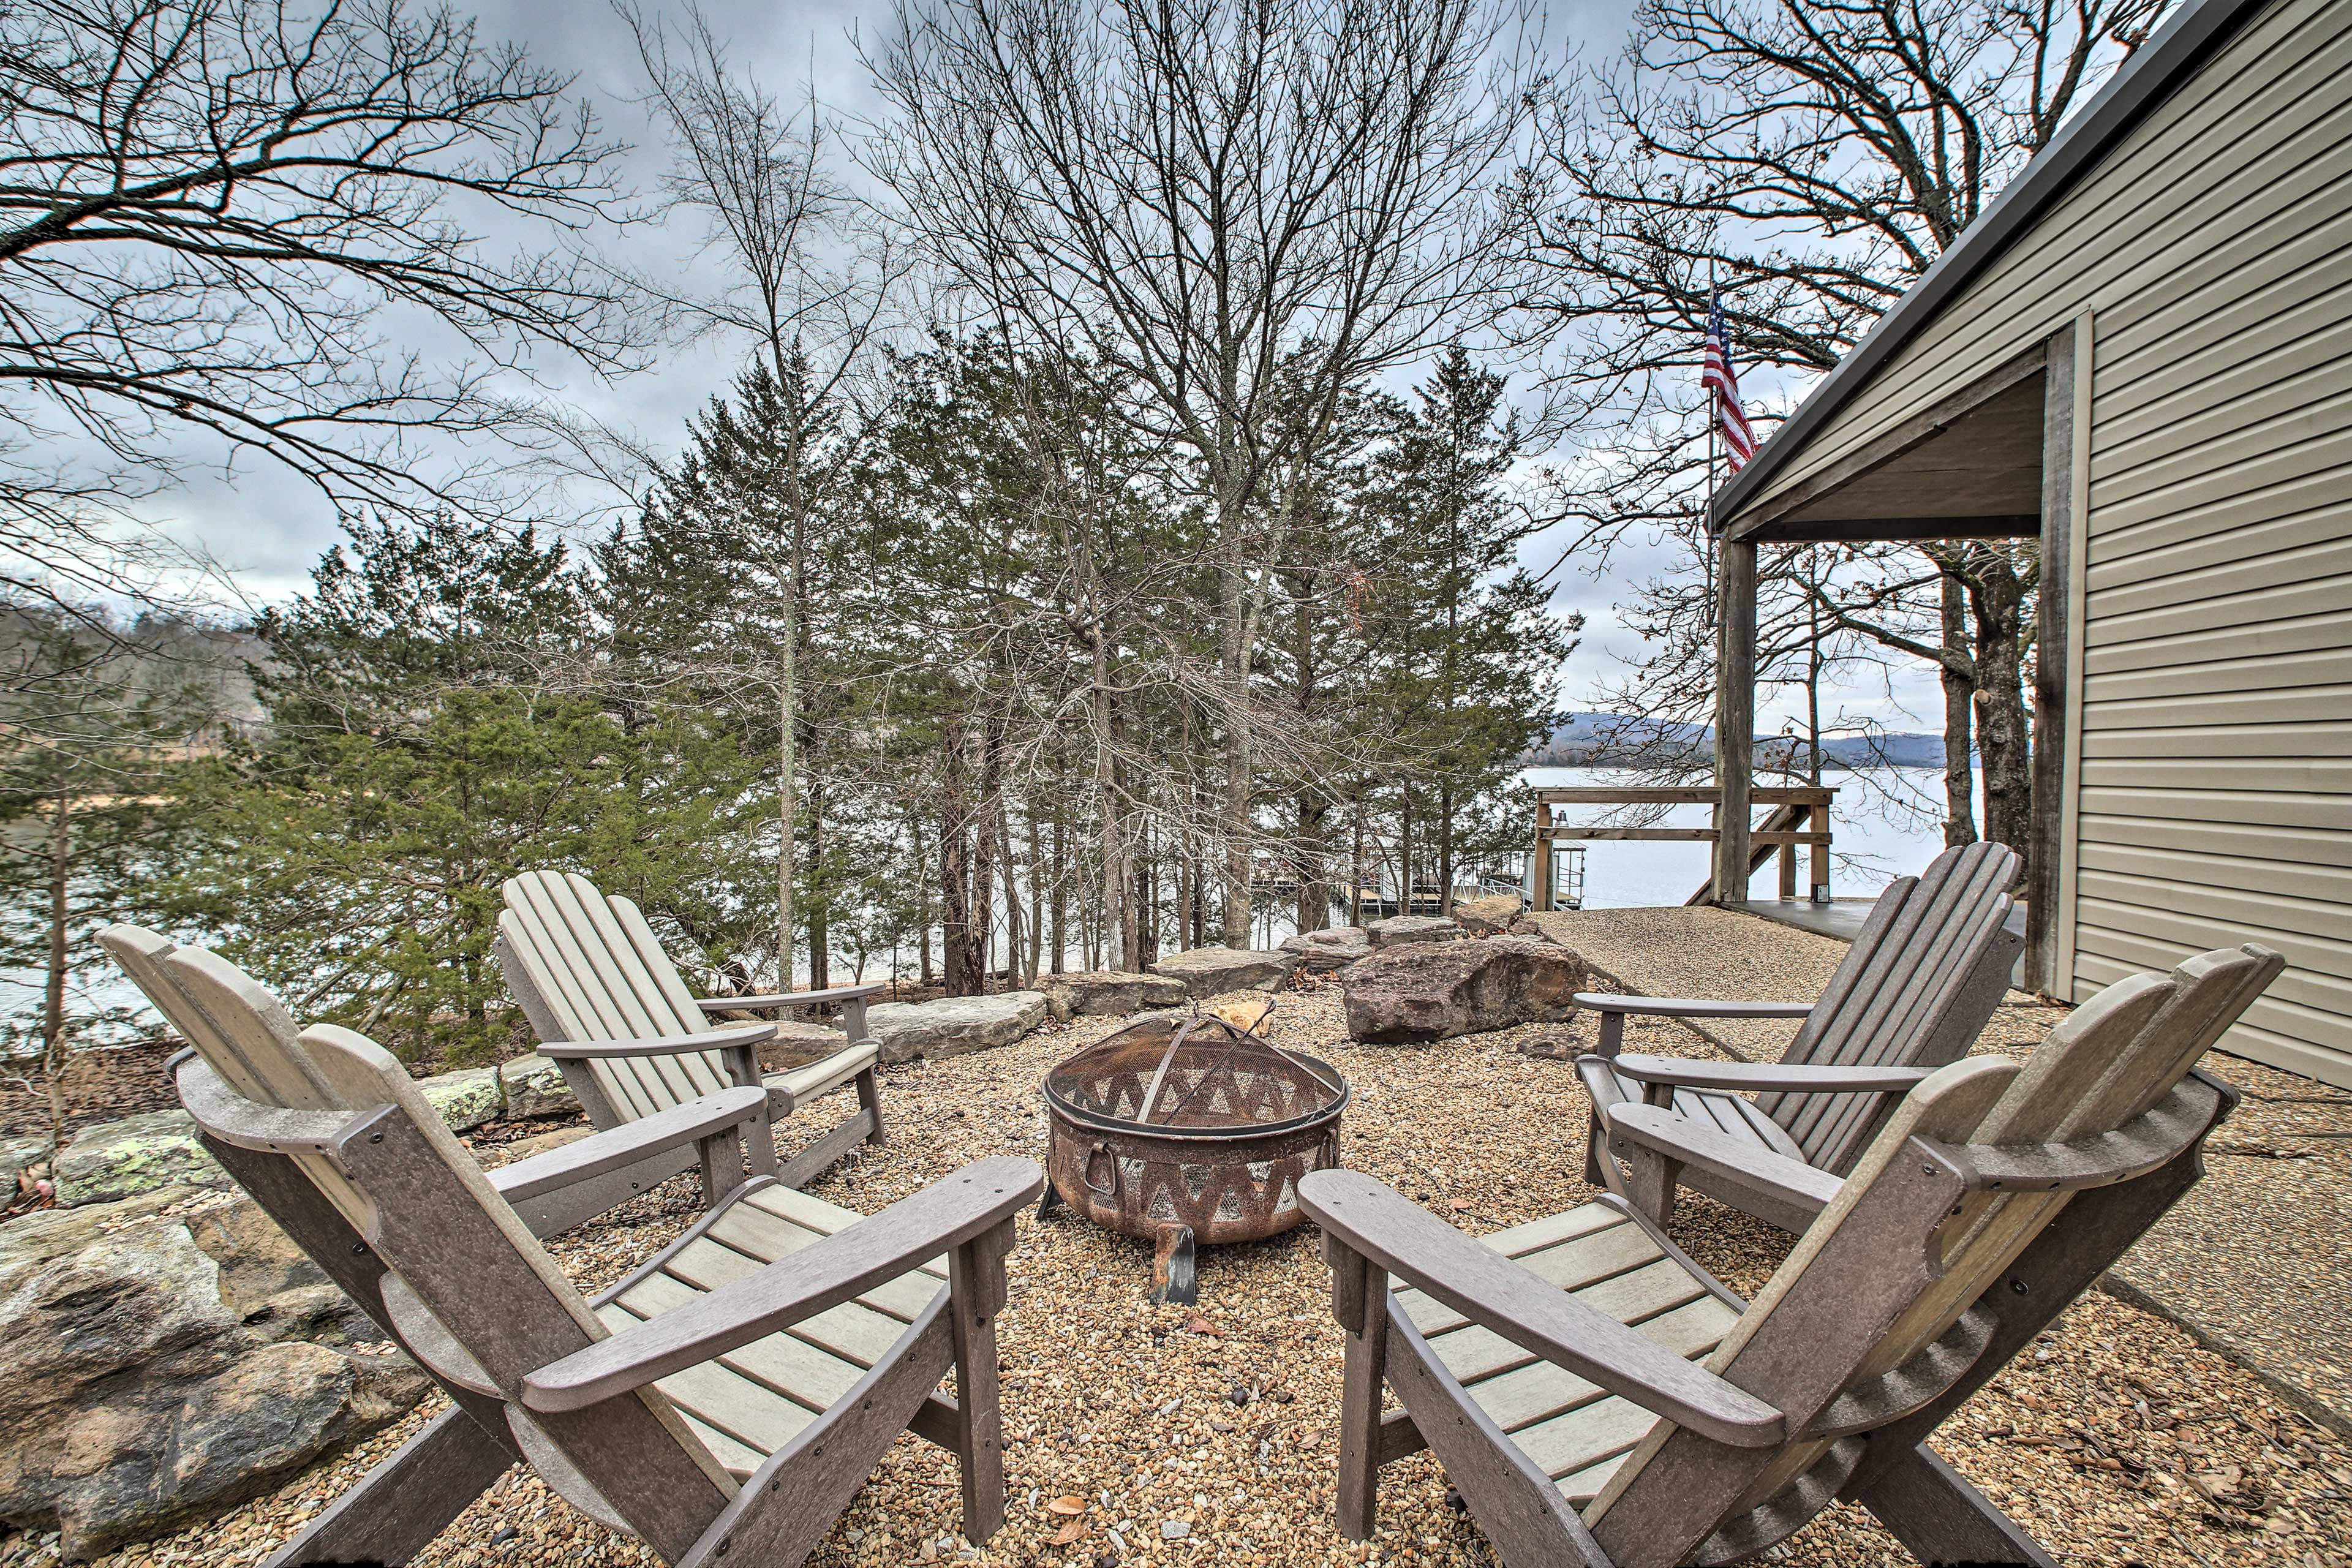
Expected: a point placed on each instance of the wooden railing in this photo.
(1799, 818)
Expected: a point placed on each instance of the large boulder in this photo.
(1434, 991)
(116, 1159)
(1399, 930)
(1109, 992)
(1325, 952)
(157, 1373)
(465, 1100)
(953, 1025)
(535, 1087)
(1213, 971)
(1489, 916)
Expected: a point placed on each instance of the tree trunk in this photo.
(1061, 895)
(1314, 871)
(53, 994)
(961, 958)
(1959, 742)
(1404, 849)
(922, 897)
(986, 852)
(1445, 846)
(820, 931)
(1996, 600)
(1355, 867)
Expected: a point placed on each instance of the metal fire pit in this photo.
(1188, 1129)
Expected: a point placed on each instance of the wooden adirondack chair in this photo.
(726, 1399)
(1600, 1400)
(1914, 992)
(614, 1013)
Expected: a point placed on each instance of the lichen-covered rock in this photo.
(1399, 930)
(21, 1153)
(1213, 971)
(1434, 991)
(1109, 992)
(465, 1100)
(118, 1160)
(1489, 916)
(953, 1025)
(535, 1087)
(153, 1371)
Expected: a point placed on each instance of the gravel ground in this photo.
(1204, 1436)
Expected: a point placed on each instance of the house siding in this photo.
(2212, 248)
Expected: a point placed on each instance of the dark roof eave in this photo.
(2155, 70)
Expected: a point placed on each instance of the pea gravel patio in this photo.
(1173, 1435)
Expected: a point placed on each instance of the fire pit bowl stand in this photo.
(1189, 1131)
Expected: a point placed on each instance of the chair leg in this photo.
(976, 1292)
(1360, 1300)
(1594, 1175)
(1649, 1183)
(1940, 1518)
(396, 1509)
(869, 1095)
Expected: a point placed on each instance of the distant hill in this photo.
(1619, 739)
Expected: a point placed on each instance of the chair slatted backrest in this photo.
(456, 1249)
(586, 967)
(1914, 989)
(2112, 1060)
(249, 1046)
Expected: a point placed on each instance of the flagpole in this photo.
(1714, 396)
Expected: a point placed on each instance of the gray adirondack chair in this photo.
(726, 1398)
(1600, 1400)
(633, 1040)
(1913, 993)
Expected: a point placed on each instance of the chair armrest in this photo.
(951, 1211)
(1530, 1311)
(772, 1002)
(1678, 1138)
(620, 1147)
(1826, 1079)
(1600, 1081)
(1688, 1007)
(740, 1036)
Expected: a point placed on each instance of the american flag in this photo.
(1719, 376)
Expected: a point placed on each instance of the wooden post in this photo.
(1821, 824)
(1539, 888)
(1787, 870)
(2045, 830)
(1735, 714)
(1359, 1301)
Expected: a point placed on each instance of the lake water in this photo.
(1870, 841)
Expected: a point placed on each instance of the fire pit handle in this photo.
(1108, 1191)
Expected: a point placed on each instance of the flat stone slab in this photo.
(119, 1159)
(1109, 993)
(799, 1043)
(1489, 916)
(1399, 930)
(1213, 971)
(954, 1026)
(1419, 991)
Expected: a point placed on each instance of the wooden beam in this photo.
(1760, 836)
(1924, 425)
(1539, 880)
(1685, 794)
(1735, 714)
(2045, 852)
(1858, 531)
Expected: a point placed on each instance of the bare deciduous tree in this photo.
(205, 205)
(1813, 157)
(1243, 209)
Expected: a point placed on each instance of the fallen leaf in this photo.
(1200, 1325)
(1068, 1505)
(1458, 1205)
(1068, 1533)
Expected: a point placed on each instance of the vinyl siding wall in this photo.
(2213, 248)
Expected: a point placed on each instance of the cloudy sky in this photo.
(268, 529)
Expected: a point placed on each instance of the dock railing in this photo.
(1799, 818)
